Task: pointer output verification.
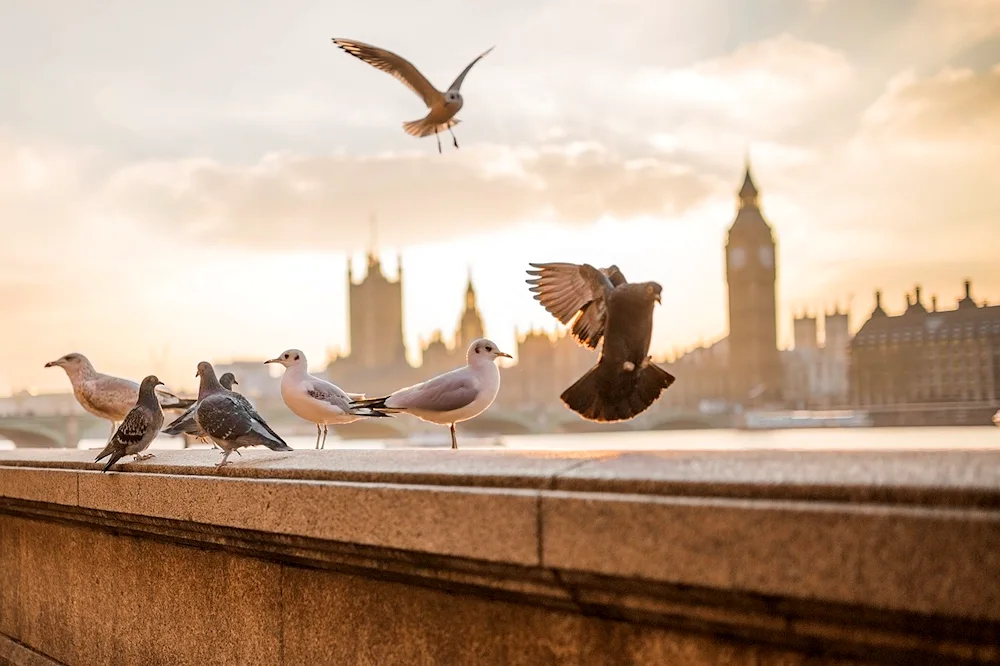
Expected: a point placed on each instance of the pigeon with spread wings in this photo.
(443, 105)
(601, 303)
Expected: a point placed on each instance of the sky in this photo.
(188, 181)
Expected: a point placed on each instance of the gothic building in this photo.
(376, 317)
(926, 356)
(755, 371)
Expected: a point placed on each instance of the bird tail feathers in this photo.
(115, 458)
(424, 127)
(107, 450)
(373, 407)
(185, 424)
(608, 394)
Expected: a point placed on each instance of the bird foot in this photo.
(455, 141)
(223, 463)
(628, 366)
(144, 456)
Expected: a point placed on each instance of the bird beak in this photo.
(504, 354)
(273, 360)
(235, 383)
(159, 384)
(658, 300)
(197, 373)
(50, 364)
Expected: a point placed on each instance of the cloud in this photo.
(952, 106)
(290, 201)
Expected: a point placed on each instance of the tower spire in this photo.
(748, 193)
(373, 239)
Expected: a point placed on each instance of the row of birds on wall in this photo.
(596, 304)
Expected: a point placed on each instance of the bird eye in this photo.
(489, 349)
(296, 357)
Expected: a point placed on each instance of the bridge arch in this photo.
(36, 437)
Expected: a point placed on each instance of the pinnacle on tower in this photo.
(748, 193)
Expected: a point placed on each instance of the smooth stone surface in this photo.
(391, 623)
(56, 486)
(910, 559)
(926, 477)
(486, 524)
(88, 597)
(946, 478)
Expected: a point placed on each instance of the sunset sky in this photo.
(184, 181)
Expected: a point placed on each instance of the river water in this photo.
(818, 439)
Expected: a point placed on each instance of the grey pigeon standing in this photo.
(228, 419)
(139, 427)
(602, 303)
(185, 424)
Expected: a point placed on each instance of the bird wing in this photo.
(457, 83)
(614, 275)
(111, 395)
(447, 392)
(330, 394)
(223, 418)
(134, 427)
(396, 65)
(575, 293)
(184, 423)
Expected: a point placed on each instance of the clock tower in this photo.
(755, 372)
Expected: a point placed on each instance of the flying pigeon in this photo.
(443, 105)
(106, 396)
(314, 399)
(227, 418)
(139, 427)
(447, 399)
(601, 303)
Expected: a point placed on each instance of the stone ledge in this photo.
(860, 553)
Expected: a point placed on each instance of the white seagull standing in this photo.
(106, 396)
(443, 105)
(455, 396)
(314, 399)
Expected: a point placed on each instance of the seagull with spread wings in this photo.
(601, 303)
(443, 105)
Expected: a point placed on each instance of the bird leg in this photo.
(114, 427)
(454, 139)
(454, 441)
(318, 431)
(144, 456)
(224, 461)
(325, 427)
(438, 137)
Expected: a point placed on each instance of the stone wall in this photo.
(486, 557)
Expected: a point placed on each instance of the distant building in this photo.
(702, 377)
(253, 378)
(815, 374)
(755, 371)
(546, 366)
(921, 356)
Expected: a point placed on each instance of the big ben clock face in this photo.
(766, 257)
(737, 257)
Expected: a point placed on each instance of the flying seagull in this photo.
(443, 105)
(187, 425)
(314, 399)
(601, 303)
(138, 429)
(447, 399)
(105, 396)
(229, 421)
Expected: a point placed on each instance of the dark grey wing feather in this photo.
(614, 275)
(134, 427)
(222, 418)
(456, 85)
(185, 423)
(575, 293)
(257, 418)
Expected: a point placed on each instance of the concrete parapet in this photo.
(501, 557)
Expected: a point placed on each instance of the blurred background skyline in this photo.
(187, 183)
